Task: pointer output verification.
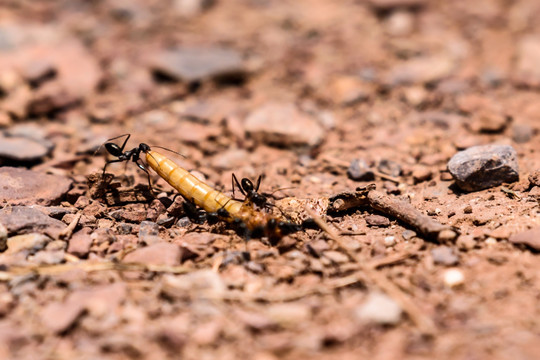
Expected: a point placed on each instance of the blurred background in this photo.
(314, 94)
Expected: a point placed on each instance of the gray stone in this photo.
(444, 255)
(483, 167)
(359, 170)
(21, 149)
(197, 64)
(389, 167)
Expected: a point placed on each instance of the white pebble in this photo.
(453, 277)
(379, 308)
(390, 241)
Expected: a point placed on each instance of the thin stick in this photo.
(67, 232)
(423, 322)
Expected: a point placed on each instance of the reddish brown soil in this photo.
(409, 81)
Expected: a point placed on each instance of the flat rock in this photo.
(24, 220)
(80, 243)
(531, 238)
(421, 70)
(76, 72)
(197, 64)
(27, 242)
(21, 149)
(27, 187)
(163, 253)
(31, 131)
(527, 71)
(58, 317)
(379, 308)
(483, 167)
(283, 125)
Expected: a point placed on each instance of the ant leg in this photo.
(258, 183)
(193, 212)
(235, 180)
(110, 162)
(125, 141)
(141, 166)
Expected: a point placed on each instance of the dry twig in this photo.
(423, 322)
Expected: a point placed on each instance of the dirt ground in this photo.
(321, 97)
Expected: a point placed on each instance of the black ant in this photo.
(129, 155)
(250, 191)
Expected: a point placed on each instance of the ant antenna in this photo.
(164, 148)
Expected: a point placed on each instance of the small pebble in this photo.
(534, 178)
(359, 170)
(389, 167)
(379, 308)
(444, 255)
(377, 220)
(390, 241)
(522, 133)
(408, 234)
(421, 174)
(453, 277)
(483, 167)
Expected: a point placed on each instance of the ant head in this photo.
(113, 149)
(247, 185)
(144, 148)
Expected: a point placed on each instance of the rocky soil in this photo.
(408, 130)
